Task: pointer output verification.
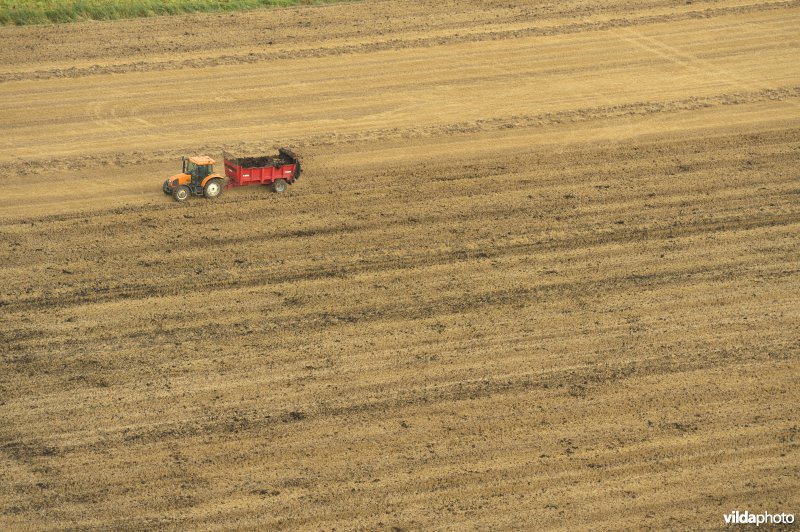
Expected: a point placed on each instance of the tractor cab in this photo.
(197, 178)
(198, 167)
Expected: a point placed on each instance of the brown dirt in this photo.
(541, 270)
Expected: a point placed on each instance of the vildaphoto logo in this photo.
(746, 518)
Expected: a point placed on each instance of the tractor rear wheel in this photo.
(181, 193)
(213, 188)
(279, 186)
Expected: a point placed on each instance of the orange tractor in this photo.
(197, 179)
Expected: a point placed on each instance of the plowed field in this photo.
(542, 269)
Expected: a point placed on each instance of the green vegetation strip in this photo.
(21, 12)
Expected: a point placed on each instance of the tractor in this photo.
(198, 178)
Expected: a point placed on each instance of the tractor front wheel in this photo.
(181, 193)
(279, 186)
(213, 188)
(165, 187)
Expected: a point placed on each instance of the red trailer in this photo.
(276, 170)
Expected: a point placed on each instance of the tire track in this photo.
(392, 44)
(31, 167)
(104, 294)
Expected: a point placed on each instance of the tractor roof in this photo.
(201, 159)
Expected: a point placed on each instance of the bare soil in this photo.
(541, 270)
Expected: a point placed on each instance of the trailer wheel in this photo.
(165, 187)
(181, 193)
(279, 186)
(213, 188)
